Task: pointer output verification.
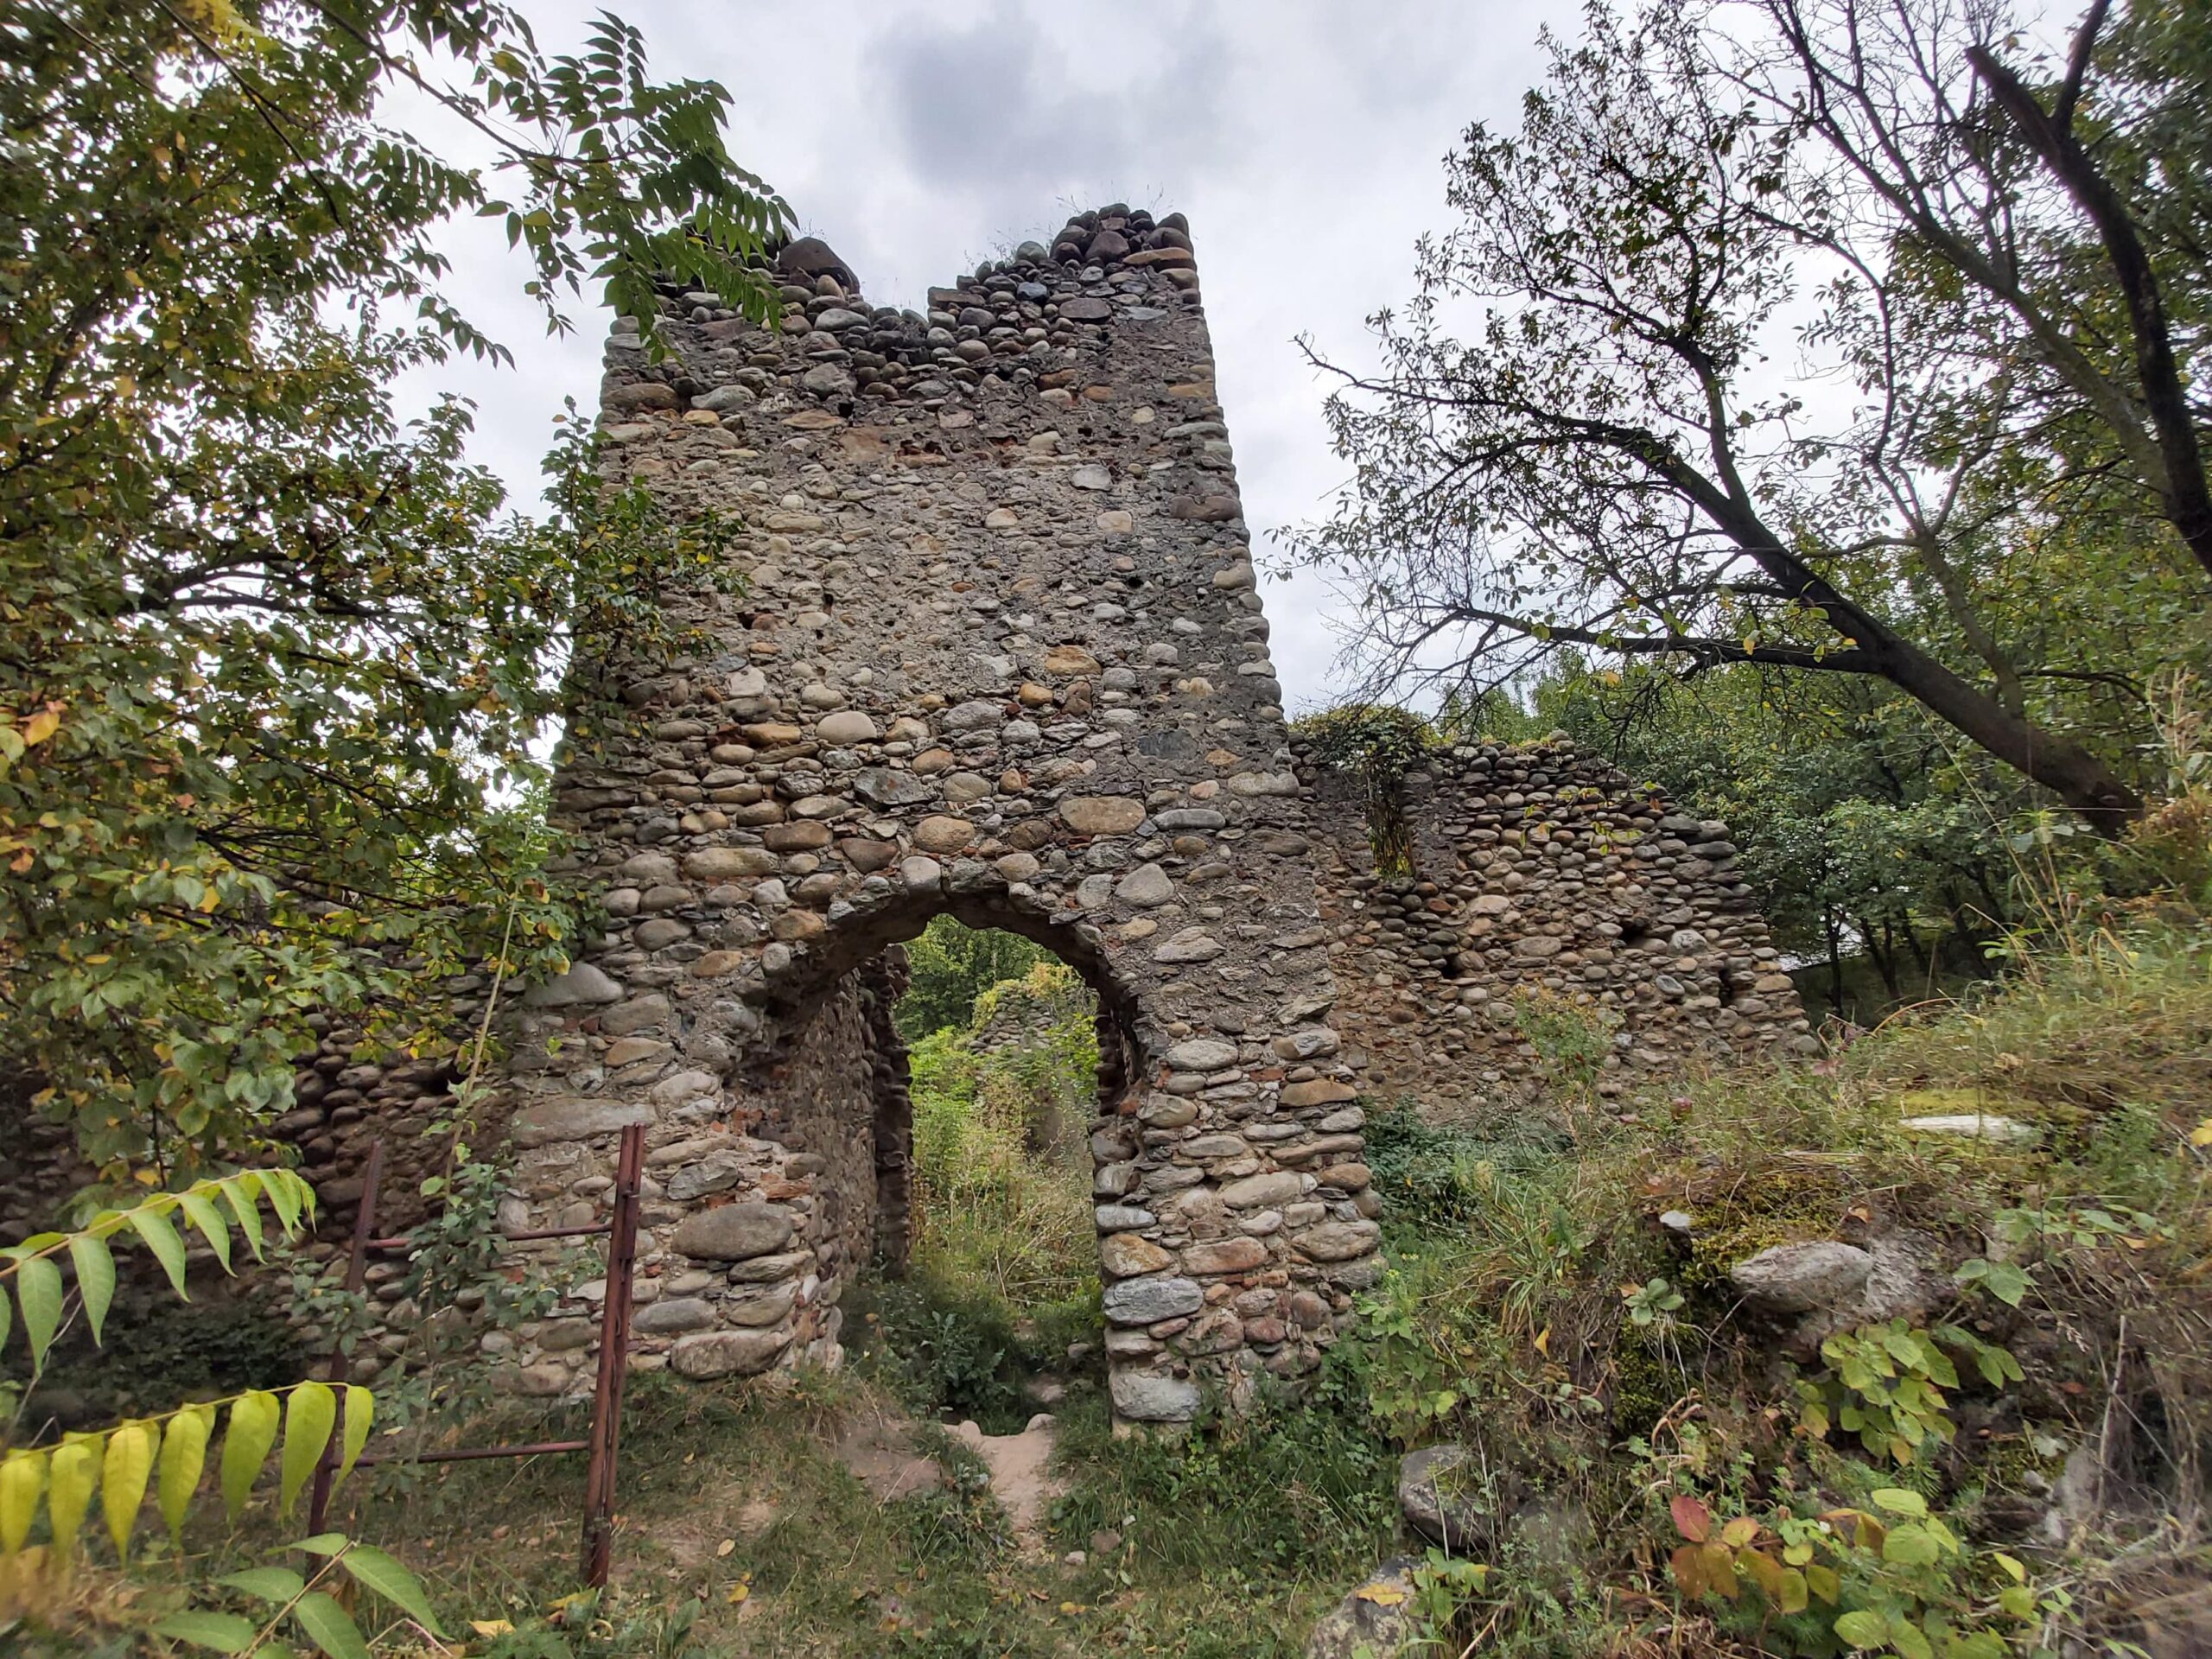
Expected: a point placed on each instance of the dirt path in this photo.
(1020, 1478)
(881, 1452)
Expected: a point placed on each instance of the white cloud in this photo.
(1303, 138)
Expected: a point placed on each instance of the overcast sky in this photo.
(1304, 138)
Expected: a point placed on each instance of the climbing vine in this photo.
(1380, 744)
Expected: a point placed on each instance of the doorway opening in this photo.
(985, 1304)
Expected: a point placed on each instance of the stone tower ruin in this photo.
(998, 651)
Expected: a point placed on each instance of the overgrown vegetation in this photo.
(1895, 1489)
(1003, 1272)
(279, 670)
(277, 665)
(2022, 1464)
(1831, 337)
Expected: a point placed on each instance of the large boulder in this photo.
(1434, 1495)
(1813, 1289)
(1376, 1621)
(1797, 1278)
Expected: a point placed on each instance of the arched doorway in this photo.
(1232, 1212)
(831, 1079)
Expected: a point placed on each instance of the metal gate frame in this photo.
(603, 1442)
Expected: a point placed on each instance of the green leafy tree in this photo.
(952, 964)
(275, 664)
(1867, 829)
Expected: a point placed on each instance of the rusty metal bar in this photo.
(613, 1361)
(605, 1438)
(341, 1362)
(470, 1453)
(595, 1230)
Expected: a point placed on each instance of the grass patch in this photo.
(1003, 1272)
(1594, 1366)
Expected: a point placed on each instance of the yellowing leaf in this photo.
(1791, 1597)
(1862, 1628)
(2202, 1135)
(124, 1474)
(1718, 1563)
(252, 1430)
(360, 1409)
(42, 726)
(22, 1477)
(72, 1472)
(184, 1455)
(492, 1626)
(1765, 1572)
(311, 1412)
(1383, 1595)
(738, 1593)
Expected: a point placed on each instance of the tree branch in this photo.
(2187, 495)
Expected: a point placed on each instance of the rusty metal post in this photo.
(613, 1361)
(341, 1364)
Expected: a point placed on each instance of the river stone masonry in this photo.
(998, 651)
(1538, 869)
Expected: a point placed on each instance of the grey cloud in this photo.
(1016, 110)
(962, 98)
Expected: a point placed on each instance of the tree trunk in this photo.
(2084, 783)
(1879, 957)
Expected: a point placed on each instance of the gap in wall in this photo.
(998, 1279)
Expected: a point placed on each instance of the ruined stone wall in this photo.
(1538, 867)
(998, 652)
(348, 1093)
